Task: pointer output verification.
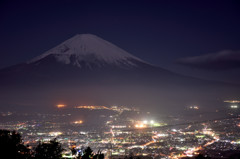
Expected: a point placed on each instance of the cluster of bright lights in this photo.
(55, 133)
(162, 135)
(232, 101)
(78, 122)
(61, 105)
(148, 122)
(194, 107)
(119, 126)
(140, 126)
(234, 106)
(144, 124)
(91, 107)
(120, 108)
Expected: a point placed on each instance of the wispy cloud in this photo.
(222, 60)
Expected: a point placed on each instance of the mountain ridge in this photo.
(121, 80)
(89, 49)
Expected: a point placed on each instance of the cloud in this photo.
(223, 60)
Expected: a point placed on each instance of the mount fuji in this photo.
(89, 52)
(86, 69)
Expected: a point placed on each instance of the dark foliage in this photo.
(50, 150)
(99, 155)
(200, 156)
(11, 145)
(74, 151)
(87, 153)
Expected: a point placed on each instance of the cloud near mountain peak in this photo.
(223, 60)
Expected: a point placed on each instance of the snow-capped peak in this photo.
(88, 48)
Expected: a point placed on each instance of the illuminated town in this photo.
(128, 131)
(120, 79)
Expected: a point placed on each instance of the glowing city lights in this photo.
(140, 126)
(61, 105)
(234, 106)
(194, 107)
(78, 122)
(232, 101)
(55, 133)
(91, 107)
(146, 123)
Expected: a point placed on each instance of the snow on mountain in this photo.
(62, 73)
(90, 50)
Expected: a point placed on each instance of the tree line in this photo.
(12, 147)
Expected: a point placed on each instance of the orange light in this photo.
(91, 107)
(61, 105)
(78, 122)
(140, 126)
(232, 101)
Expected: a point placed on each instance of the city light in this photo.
(120, 132)
(61, 105)
(232, 101)
(55, 133)
(234, 106)
(91, 107)
(140, 126)
(78, 122)
(176, 97)
(162, 135)
(194, 107)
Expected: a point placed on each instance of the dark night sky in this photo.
(160, 32)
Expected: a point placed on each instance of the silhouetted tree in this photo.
(50, 150)
(87, 153)
(235, 156)
(11, 145)
(200, 156)
(74, 151)
(99, 155)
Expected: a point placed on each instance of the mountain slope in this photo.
(89, 70)
(89, 51)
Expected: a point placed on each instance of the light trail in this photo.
(150, 142)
